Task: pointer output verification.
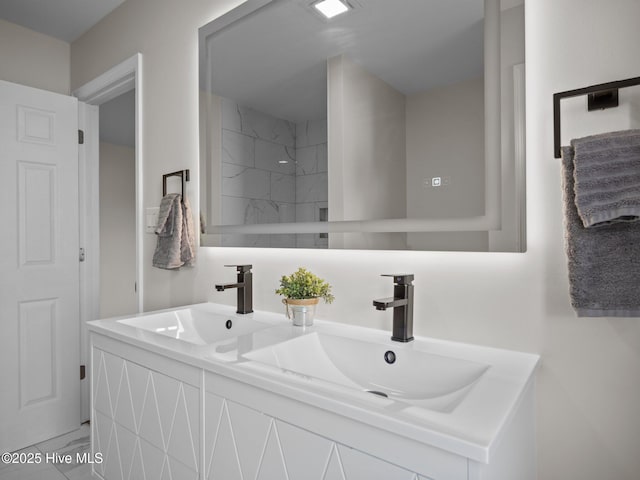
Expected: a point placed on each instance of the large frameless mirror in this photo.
(394, 125)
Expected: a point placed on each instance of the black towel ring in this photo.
(184, 177)
(601, 96)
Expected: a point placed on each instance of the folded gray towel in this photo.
(607, 177)
(604, 263)
(176, 240)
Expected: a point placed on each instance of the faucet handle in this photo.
(400, 278)
(241, 268)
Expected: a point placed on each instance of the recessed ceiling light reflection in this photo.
(331, 8)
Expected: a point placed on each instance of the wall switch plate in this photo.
(151, 219)
(436, 181)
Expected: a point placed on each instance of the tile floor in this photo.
(72, 443)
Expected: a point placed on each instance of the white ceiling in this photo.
(275, 60)
(63, 19)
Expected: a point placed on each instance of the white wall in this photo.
(512, 53)
(372, 161)
(33, 59)
(118, 120)
(117, 230)
(589, 381)
(445, 138)
(366, 153)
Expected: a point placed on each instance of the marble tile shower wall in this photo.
(311, 178)
(256, 186)
(262, 182)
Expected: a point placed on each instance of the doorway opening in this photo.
(110, 193)
(117, 186)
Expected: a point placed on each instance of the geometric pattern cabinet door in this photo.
(190, 424)
(39, 309)
(242, 443)
(146, 424)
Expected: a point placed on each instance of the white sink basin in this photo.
(416, 377)
(457, 397)
(196, 326)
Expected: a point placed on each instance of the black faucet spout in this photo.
(391, 302)
(226, 286)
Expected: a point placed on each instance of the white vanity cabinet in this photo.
(177, 395)
(245, 443)
(146, 414)
(251, 433)
(263, 435)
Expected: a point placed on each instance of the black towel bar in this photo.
(184, 177)
(603, 95)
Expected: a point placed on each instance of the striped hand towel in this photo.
(604, 262)
(607, 177)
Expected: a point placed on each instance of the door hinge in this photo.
(81, 137)
(82, 255)
(83, 372)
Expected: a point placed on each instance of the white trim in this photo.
(519, 142)
(117, 80)
(139, 188)
(89, 227)
(112, 83)
(468, 224)
(120, 79)
(492, 219)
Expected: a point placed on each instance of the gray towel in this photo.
(607, 177)
(176, 241)
(188, 238)
(604, 262)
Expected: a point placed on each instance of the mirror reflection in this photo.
(360, 131)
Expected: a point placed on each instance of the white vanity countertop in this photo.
(471, 427)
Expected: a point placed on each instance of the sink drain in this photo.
(389, 357)
(375, 392)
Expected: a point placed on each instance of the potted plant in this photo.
(302, 291)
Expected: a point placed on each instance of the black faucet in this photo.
(402, 304)
(244, 286)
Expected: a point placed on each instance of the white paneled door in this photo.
(39, 318)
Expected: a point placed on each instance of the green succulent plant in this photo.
(304, 284)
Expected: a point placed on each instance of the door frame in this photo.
(119, 79)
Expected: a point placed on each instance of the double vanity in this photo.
(201, 392)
